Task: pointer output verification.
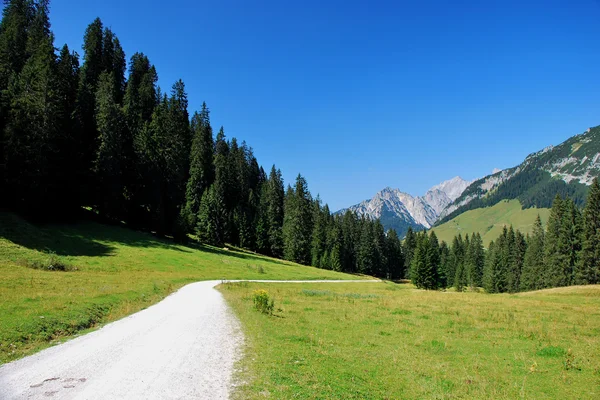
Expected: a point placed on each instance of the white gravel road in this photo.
(184, 347)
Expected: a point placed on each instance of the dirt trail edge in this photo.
(183, 347)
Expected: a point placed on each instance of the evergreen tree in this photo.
(350, 239)
(431, 272)
(588, 265)
(275, 212)
(533, 264)
(297, 224)
(490, 267)
(457, 267)
(86, 108)
(419, 263)
(319, 236)
(33, 122)
(366, 251)
(445, 259)
(211, 218)
(555, 251)
(109, 163)
(516, 262)
(477, 260)
(395, 258)
(202, 169)
(410, 244)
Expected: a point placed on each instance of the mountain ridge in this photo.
(399, 210)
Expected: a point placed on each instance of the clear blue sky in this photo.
(361, 95)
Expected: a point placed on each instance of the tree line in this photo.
(90, 132)
(566, 252)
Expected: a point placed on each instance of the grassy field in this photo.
(115, 272)
(490, 220)
(389, 341)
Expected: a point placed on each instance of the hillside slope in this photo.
(489, 221)
(567, 169)
(113, 272)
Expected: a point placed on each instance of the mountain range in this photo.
(398, 210)
(566, 169)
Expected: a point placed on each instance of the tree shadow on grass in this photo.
(82, 238)
(235, 253)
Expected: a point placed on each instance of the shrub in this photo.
(263, 302)
(51, 263)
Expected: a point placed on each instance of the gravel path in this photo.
(181, 348)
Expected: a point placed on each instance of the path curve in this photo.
(183, 347)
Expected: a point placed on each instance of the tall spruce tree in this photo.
(409, 246)
(533, 264)
(202, 169)
(555, 251)
(109, 163)
(588, 265)
(395, 258)
(297, 224)
(33, 122)
(275, 211)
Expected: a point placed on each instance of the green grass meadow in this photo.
(114, 272)
(489, 221)
(391, 341)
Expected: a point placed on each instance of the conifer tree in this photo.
(409, 246)
(477, 260)
(109, 163)
(533, 264)
(431, 279)
(555, 257)
(588, 265)
(395, 257)
(519, 248)
(275, 211)
(319, 236)
(297, 224)
(490, 267)
(419, 260)
(33, 122)
(202, 169)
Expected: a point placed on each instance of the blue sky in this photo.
(361, 95)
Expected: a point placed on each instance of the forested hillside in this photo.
(564, 253)
(95, 131)
(567, 169)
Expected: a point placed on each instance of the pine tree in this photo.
(517, 262)
(555, 257)
(458, 264)
(33, 122)
(409, 246)
(350, 239)
(366, 251)
(418, 268)
(445, 259)
(477, 260)
(275, 212)
(319, 236)
(297, 224)
(109, 163)
(211, 218)
(202, 169)
(490, 267)
(86, 107)
(588, 265)
(395, 257)
(533, 264)
(431, 279)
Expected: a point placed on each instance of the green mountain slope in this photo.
(566, 169)
(489, 221)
